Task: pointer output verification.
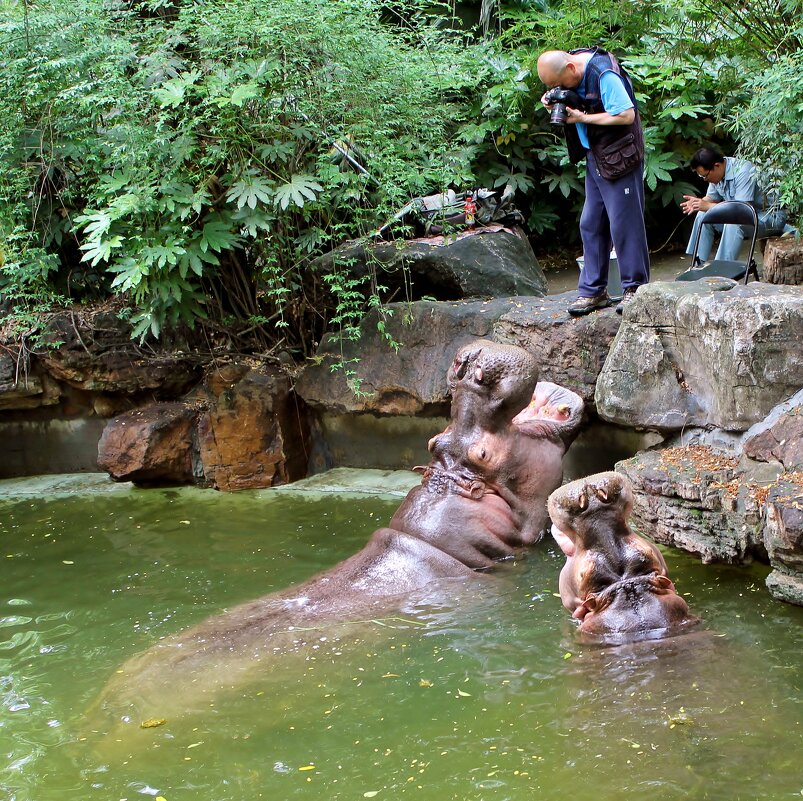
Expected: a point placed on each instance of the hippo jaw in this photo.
(634, 609)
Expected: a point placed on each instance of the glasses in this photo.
(704, 174)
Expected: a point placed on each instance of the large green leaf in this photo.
(297, 190)
(217, 235)
(251, 189)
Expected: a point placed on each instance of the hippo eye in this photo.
(582, 501)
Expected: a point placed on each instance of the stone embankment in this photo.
(170, 418)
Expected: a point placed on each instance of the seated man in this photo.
(728, 179)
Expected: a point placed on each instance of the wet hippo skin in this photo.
(614, 582)
(484, 492)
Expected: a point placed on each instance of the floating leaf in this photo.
(152, 723)
(307, 767)
(567, 655)
(424, 683)
(370, 794)
(464, 695)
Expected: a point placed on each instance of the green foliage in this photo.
(773, 116)
(190, 155)
(185, 150)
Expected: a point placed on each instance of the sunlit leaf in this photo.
(298, 190)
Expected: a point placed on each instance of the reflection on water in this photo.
(482, 693)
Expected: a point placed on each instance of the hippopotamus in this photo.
(482, 499)
(494, 466)
(614, 582)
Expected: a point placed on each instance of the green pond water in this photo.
(480, 692)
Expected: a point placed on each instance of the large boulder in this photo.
(783, 539)
(696, 499)
(703, 353)
(151, 445)
(242, 437)
(779, 437)
(722, 508)
(242, 429)
(484, 262)
(375, 378)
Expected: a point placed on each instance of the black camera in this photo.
(558, 99)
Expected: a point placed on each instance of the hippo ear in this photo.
(459, 366)
(478, 375)
(601, 493)
(582, 501)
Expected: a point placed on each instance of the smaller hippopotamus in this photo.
(614, 581)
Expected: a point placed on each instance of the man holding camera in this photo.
(728, 179)
(602, 125)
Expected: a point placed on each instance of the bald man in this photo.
(606, 132)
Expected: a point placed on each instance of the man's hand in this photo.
(691, 204)
(573, 116)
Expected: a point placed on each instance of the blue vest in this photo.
(603, 137)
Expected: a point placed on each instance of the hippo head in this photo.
(496, 380)
(582, 507)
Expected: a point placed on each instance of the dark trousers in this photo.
(613, 214)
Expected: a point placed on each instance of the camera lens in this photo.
(558, 115)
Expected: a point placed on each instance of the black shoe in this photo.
(628, 296)
(581, 306)
(697, 262)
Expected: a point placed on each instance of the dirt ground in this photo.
(561, 269)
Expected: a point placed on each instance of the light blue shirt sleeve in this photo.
(613, 94)
(614, 97)
(739, 183)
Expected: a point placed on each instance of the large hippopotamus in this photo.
(484, 492)
(614, 582)
(482, 498)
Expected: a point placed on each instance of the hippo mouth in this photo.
(629, 594)
(555, 405)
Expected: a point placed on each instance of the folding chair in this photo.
(729, 212)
